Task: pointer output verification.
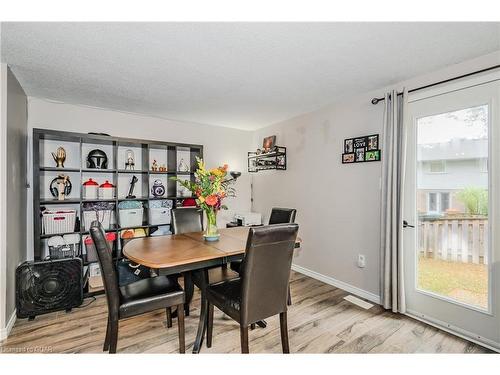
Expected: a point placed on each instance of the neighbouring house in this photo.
(446, 168)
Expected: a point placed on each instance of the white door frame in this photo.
(494, 138)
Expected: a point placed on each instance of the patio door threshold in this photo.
(456, 331)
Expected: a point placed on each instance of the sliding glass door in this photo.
(451, 251)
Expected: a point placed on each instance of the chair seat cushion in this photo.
(226, 296)
(148, 295)
(220, 274)
(236, 265)
(215, 275)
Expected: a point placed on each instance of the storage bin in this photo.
(103, 216)
(67, 246)
(130, 217)
(90, 247)
(55, 222)
(159, 216)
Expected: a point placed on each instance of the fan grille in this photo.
(48, 286)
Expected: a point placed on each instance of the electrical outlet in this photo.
(361, 261)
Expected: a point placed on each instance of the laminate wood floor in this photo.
(319, 321)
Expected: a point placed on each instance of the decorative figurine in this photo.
(63, 188)
(131, 189)
(163, 168)
(158, 190)
(97, 159)
(59, 157)
(154, 166)
(183, 167)
(130, 163)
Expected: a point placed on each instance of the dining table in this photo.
(191, 255)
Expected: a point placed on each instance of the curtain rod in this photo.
(377, 100)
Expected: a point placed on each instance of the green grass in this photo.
(465, 282)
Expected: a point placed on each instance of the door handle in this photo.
(406, 225)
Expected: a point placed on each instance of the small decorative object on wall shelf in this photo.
(97, 159)
(59, 157)
(361, 149)
(268, 143)
(130, 160)
(163, 168)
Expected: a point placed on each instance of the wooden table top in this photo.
(180, 249)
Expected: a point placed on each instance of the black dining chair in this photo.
(261, 291)
(135, 298)
(278, 216)
(186, 220)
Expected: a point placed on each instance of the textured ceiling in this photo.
(242, 75)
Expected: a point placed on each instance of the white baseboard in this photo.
(338, 284)
(4, 332)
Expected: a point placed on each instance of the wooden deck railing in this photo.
(454, 239)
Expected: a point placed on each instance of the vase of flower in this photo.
(210, 188)
(211, 232)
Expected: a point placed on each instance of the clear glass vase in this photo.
(211, 232)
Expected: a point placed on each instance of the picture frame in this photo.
(348, 158)
(348, 146)
(361, 149)
(372, 155)
(269, 142)
(360, 154)
(373, 142)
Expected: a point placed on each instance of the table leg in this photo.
(202, 282)
(188, 290)
(202, 325)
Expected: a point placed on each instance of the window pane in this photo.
(452, 223)
(432, 202)
(445, 201)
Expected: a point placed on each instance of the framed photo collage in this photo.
(361, 149)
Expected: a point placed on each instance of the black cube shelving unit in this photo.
(77, 146)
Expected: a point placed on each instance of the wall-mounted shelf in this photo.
(275, 160)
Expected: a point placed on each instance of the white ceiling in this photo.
(242, 75)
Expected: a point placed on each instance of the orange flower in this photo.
(211, 200)
(225, 167)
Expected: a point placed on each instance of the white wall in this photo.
(338, 205)
(221, 145)
(13, 194)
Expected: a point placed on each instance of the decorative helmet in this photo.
(97, 159)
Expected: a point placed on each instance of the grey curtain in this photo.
(393, 173)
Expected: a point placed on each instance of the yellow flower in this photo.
(216, 172)
(201, 199)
